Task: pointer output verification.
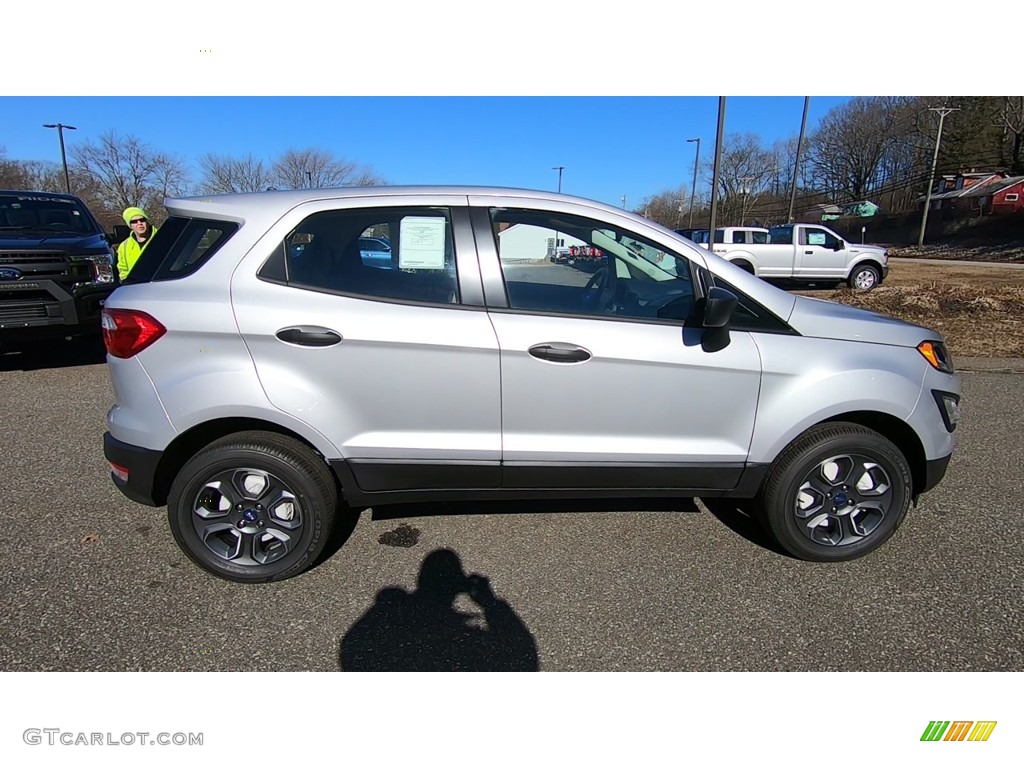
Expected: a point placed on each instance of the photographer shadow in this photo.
(452, 622)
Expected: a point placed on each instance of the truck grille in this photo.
(24, 313)
(45, 265)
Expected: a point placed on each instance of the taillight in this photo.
(126, 332)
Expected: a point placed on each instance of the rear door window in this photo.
(404, 254)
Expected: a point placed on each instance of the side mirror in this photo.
(839, 246)
(120, 234)
(718, 307)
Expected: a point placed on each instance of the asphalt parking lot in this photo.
(95, 582)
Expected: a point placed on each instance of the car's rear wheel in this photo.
(253, 507)
(836, 493)
(864, 278)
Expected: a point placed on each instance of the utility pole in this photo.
(796, 165)
(943, 111)
(623, 202)
(714, 177)
(309, 179)
(63, 157)
(693, 189)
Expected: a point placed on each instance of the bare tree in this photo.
(1013, 122)
(223, 174)
(320, 169)
(127, 171)
(666, 208)
(744, 175)
(14, 174)
(847, 150)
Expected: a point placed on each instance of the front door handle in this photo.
(555, 352)
(809, 253)
(309, 336)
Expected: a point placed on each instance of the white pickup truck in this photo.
(809, 252)
(732, 236)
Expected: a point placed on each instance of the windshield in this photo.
(40, 212)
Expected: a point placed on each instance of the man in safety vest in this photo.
(142, 232)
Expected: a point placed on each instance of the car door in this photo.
(817, 254)
(610, 394)
(399, 368)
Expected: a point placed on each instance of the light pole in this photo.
(693, 189)
(63, 156)
(559, 168)
(623, 202)
(796, 165)
(714, 177)
(309, 179)
(943, 111)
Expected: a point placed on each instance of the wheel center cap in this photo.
(840, 498)
(250, 516)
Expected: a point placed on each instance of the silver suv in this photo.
(269, 380)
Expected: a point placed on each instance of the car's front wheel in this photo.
(253, 507)
(836, 493)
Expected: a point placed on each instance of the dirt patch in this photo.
(1012, 253)
(979, 310)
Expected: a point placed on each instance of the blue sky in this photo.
(610, 146)
(464, 92)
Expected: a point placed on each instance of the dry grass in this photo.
(980, 310)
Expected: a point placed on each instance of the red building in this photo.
(999, 196)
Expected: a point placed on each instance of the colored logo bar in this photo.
(958, 730)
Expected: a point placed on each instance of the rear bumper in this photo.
(141, 464)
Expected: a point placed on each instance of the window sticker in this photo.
(815, 238)
(422, 243)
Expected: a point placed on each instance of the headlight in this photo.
(102, 267)
(936, 355)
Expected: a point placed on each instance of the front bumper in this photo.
(43, 308)
(934, 471)
(142, 465)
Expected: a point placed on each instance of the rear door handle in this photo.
(560, 353)
(309, 336)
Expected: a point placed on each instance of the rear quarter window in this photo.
(180, 247)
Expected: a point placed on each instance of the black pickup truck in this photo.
(56, 267)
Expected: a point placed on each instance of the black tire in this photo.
(864, 278)
(218, 517)
(838, 492)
